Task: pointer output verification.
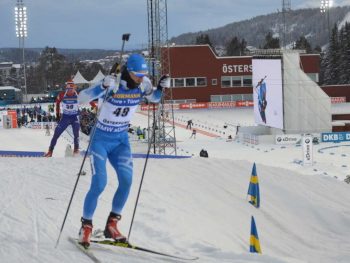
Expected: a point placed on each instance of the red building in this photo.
(198, 75)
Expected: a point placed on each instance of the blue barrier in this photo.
(158, 156)
(21, 154)
(41, 154)
(152, 156)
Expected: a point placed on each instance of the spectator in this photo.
(139, 133)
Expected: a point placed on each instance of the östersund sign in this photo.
(335, 136)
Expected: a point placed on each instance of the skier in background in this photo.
(194, 132)
(69, 100)
(111, 141)
(189, 124)
(262, 103)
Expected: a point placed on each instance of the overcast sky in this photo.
(100, 23)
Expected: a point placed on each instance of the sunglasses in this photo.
(139, 74)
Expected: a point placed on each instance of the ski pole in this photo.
(116, 70)
(144, 168)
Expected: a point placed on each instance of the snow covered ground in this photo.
(196, 206)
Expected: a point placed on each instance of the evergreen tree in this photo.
(323, 67)
(203, 39)
(344, 63)
(271, 42)
(317, 49)
(303, 44)
(233, 47)
(52, 71)
(236, 47)
(332, 59)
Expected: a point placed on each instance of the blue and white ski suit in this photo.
(111, 142)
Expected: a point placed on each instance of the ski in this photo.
(86, 251)
(130, 246)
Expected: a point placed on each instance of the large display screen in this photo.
(267, 92)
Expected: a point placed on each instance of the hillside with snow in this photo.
(189, 207)
(309, 22)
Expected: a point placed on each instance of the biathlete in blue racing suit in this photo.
(111, 142)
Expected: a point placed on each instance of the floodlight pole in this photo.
(21, 32)
(324, 8)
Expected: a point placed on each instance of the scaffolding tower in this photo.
(285, 10)
(160, 116)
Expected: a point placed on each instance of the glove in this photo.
(108, 81)
(164, 82)
(115, 69)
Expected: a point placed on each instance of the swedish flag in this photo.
(253, 189)
(254, 239)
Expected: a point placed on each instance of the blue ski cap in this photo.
(137, 65)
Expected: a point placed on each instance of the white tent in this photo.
(99, 76)
(9, 88)
(79, 79)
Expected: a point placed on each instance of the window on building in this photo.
(247, 81)
(215, 98)
(190, 82)
(247, 96)
(226, 98)
(313, 76)
(179, 83)
(231, 97)
(236, 97)
(214, 82)
(201, 82)
(237, 81)
(225, 81)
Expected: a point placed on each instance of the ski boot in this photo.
(76, 152)
(111, 229)
(85, 233)
(48, 154)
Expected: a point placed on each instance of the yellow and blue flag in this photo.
(254, 239)
(253, 189)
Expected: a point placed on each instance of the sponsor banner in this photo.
(287, 139)
(338, 100)
(218, 105)
(203, 105)
(199, 105)
(35, 125)
(335, 136)
(244, 103)
(145, 107)
(52, 125)
(13, 115)
(307, 149)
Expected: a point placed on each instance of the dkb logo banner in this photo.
(335, 136)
